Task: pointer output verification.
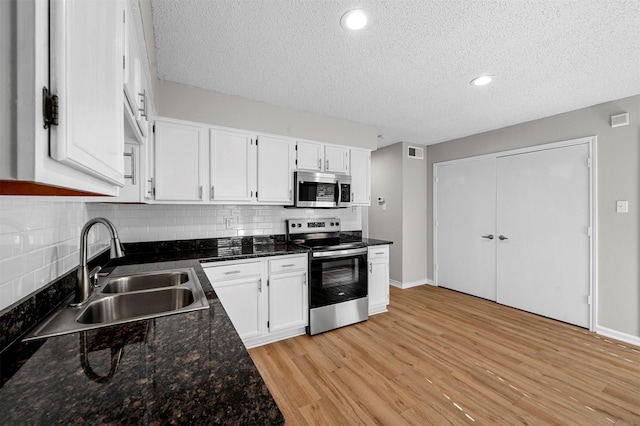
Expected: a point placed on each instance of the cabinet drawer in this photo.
(378, 252)
(288, 264)
(227, 272)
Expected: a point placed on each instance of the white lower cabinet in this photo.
(267, 299)
(288, 294)
(378, 257)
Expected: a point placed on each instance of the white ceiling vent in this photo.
(620, 120)
(415, 152)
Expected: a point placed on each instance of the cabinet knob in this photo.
(489, 237)
(502, 238)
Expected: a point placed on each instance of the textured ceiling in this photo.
(408, 72)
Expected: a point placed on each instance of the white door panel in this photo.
(232, 165)
(543, 210)
(465, 260)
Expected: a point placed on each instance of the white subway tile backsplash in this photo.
(39, 236)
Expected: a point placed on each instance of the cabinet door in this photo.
(231, 165)
(86, 75)
(288, 303)
(242, 300)
(378, 286)
(360, 177)
(336, 159)
(178, 161)
(309, 156)
(378, 279)
(275, 170)
(131, 63)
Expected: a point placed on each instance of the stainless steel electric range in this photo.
(338, 290)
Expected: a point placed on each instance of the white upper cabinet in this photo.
(319, 157)
(275, 170)
(179, 161)
(86, 75)
(134, 83)
(336, 159)
(310, 156)
(360, 177)
(231, 166)
(71, 144)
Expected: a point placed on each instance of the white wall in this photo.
(205, 106)
(402, 182)
(386, 181)
(414, 227)
(618, 168)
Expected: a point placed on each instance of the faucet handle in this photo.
(93, 275)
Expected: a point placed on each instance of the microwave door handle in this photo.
(339, 193)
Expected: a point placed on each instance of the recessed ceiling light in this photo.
(481, 81)
(354, 19)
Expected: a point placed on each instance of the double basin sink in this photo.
(128, 298)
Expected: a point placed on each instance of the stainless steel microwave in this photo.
(321, 190)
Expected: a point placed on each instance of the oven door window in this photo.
(335, 280)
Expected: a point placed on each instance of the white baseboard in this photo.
(627, 338)
(430, 282)
(408, 284)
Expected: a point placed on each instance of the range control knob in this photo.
(293, 225)
(331, 224)
(299, 225)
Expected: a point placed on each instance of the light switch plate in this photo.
(622, 206)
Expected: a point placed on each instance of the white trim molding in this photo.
(409, 284)
(624, 337)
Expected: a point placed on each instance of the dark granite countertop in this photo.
(189, 368)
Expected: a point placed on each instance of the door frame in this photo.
(592, 142)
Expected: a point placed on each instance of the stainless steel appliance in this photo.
(338, 290)
(321, 190)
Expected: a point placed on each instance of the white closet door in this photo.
(543, 210)
(466, 203)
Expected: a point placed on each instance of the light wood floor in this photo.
(440, 357)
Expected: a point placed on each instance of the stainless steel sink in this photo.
(135, 305)
(125, 299)
(144, 281)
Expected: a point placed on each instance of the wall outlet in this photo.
(228, 222)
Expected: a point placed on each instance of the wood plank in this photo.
(441, 357)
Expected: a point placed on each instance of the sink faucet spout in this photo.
(83, 285)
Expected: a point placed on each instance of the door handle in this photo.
(490, 236)
(502, 238)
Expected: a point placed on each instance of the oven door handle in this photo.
(340, 253)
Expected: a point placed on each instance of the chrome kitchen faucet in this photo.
(84, 288)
